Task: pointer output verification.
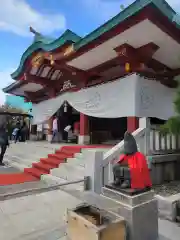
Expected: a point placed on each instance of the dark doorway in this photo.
(157, 121)
(66, 116)
(107, 130)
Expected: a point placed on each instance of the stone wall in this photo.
(165, 168)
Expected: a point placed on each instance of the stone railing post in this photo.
(145, 123)
(94, 169)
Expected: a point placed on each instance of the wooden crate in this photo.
(94, 226)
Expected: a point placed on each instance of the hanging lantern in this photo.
(65, 107)
(127, 67)
(51, 59)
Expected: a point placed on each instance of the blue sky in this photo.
(51, 18)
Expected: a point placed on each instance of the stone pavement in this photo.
(168, 230)
(42, 216)
(24, 189)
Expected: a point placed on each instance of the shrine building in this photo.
(124, 70)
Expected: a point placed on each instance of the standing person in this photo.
(4, 142)
(55, 129)
(67, 133)
(18, 133)
(14, 133)
(23, 132)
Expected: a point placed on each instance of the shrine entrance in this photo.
(66, 115)
(107, 130)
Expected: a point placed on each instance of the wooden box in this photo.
(89, 223)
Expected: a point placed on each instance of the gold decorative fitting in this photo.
(127, 67)
(69, 50)
(51, 59)
(37, 60)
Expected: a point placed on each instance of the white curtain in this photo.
(128, 96)
(111, 100)
(154, 99)
(43, 111)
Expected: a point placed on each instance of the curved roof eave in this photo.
(66, 36)
(12, 86)
(129, 11)
(79, 42)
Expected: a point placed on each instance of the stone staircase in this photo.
(22, 155)
(71, 170)
(53, 163)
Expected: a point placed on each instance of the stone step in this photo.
(68, 172)
(48, 178)
(96, 149)
(76, 161)
(16, 165)
(79, 155)
(22, 160)
(31, 151)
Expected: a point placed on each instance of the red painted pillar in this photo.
(84, 137)
(132, 123)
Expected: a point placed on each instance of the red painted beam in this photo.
(147, 51)
(38, 80)
(121, 59)
(137, 55)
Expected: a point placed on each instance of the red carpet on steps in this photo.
(16, 178)
(45, 165)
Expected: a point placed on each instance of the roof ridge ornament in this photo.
(32, 30)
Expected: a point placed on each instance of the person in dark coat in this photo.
(4, 142)
(23, 132)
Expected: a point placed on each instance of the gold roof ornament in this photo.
(69, 50)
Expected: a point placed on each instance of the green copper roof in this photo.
(43, 39)
(41, 42)
(131, 10)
